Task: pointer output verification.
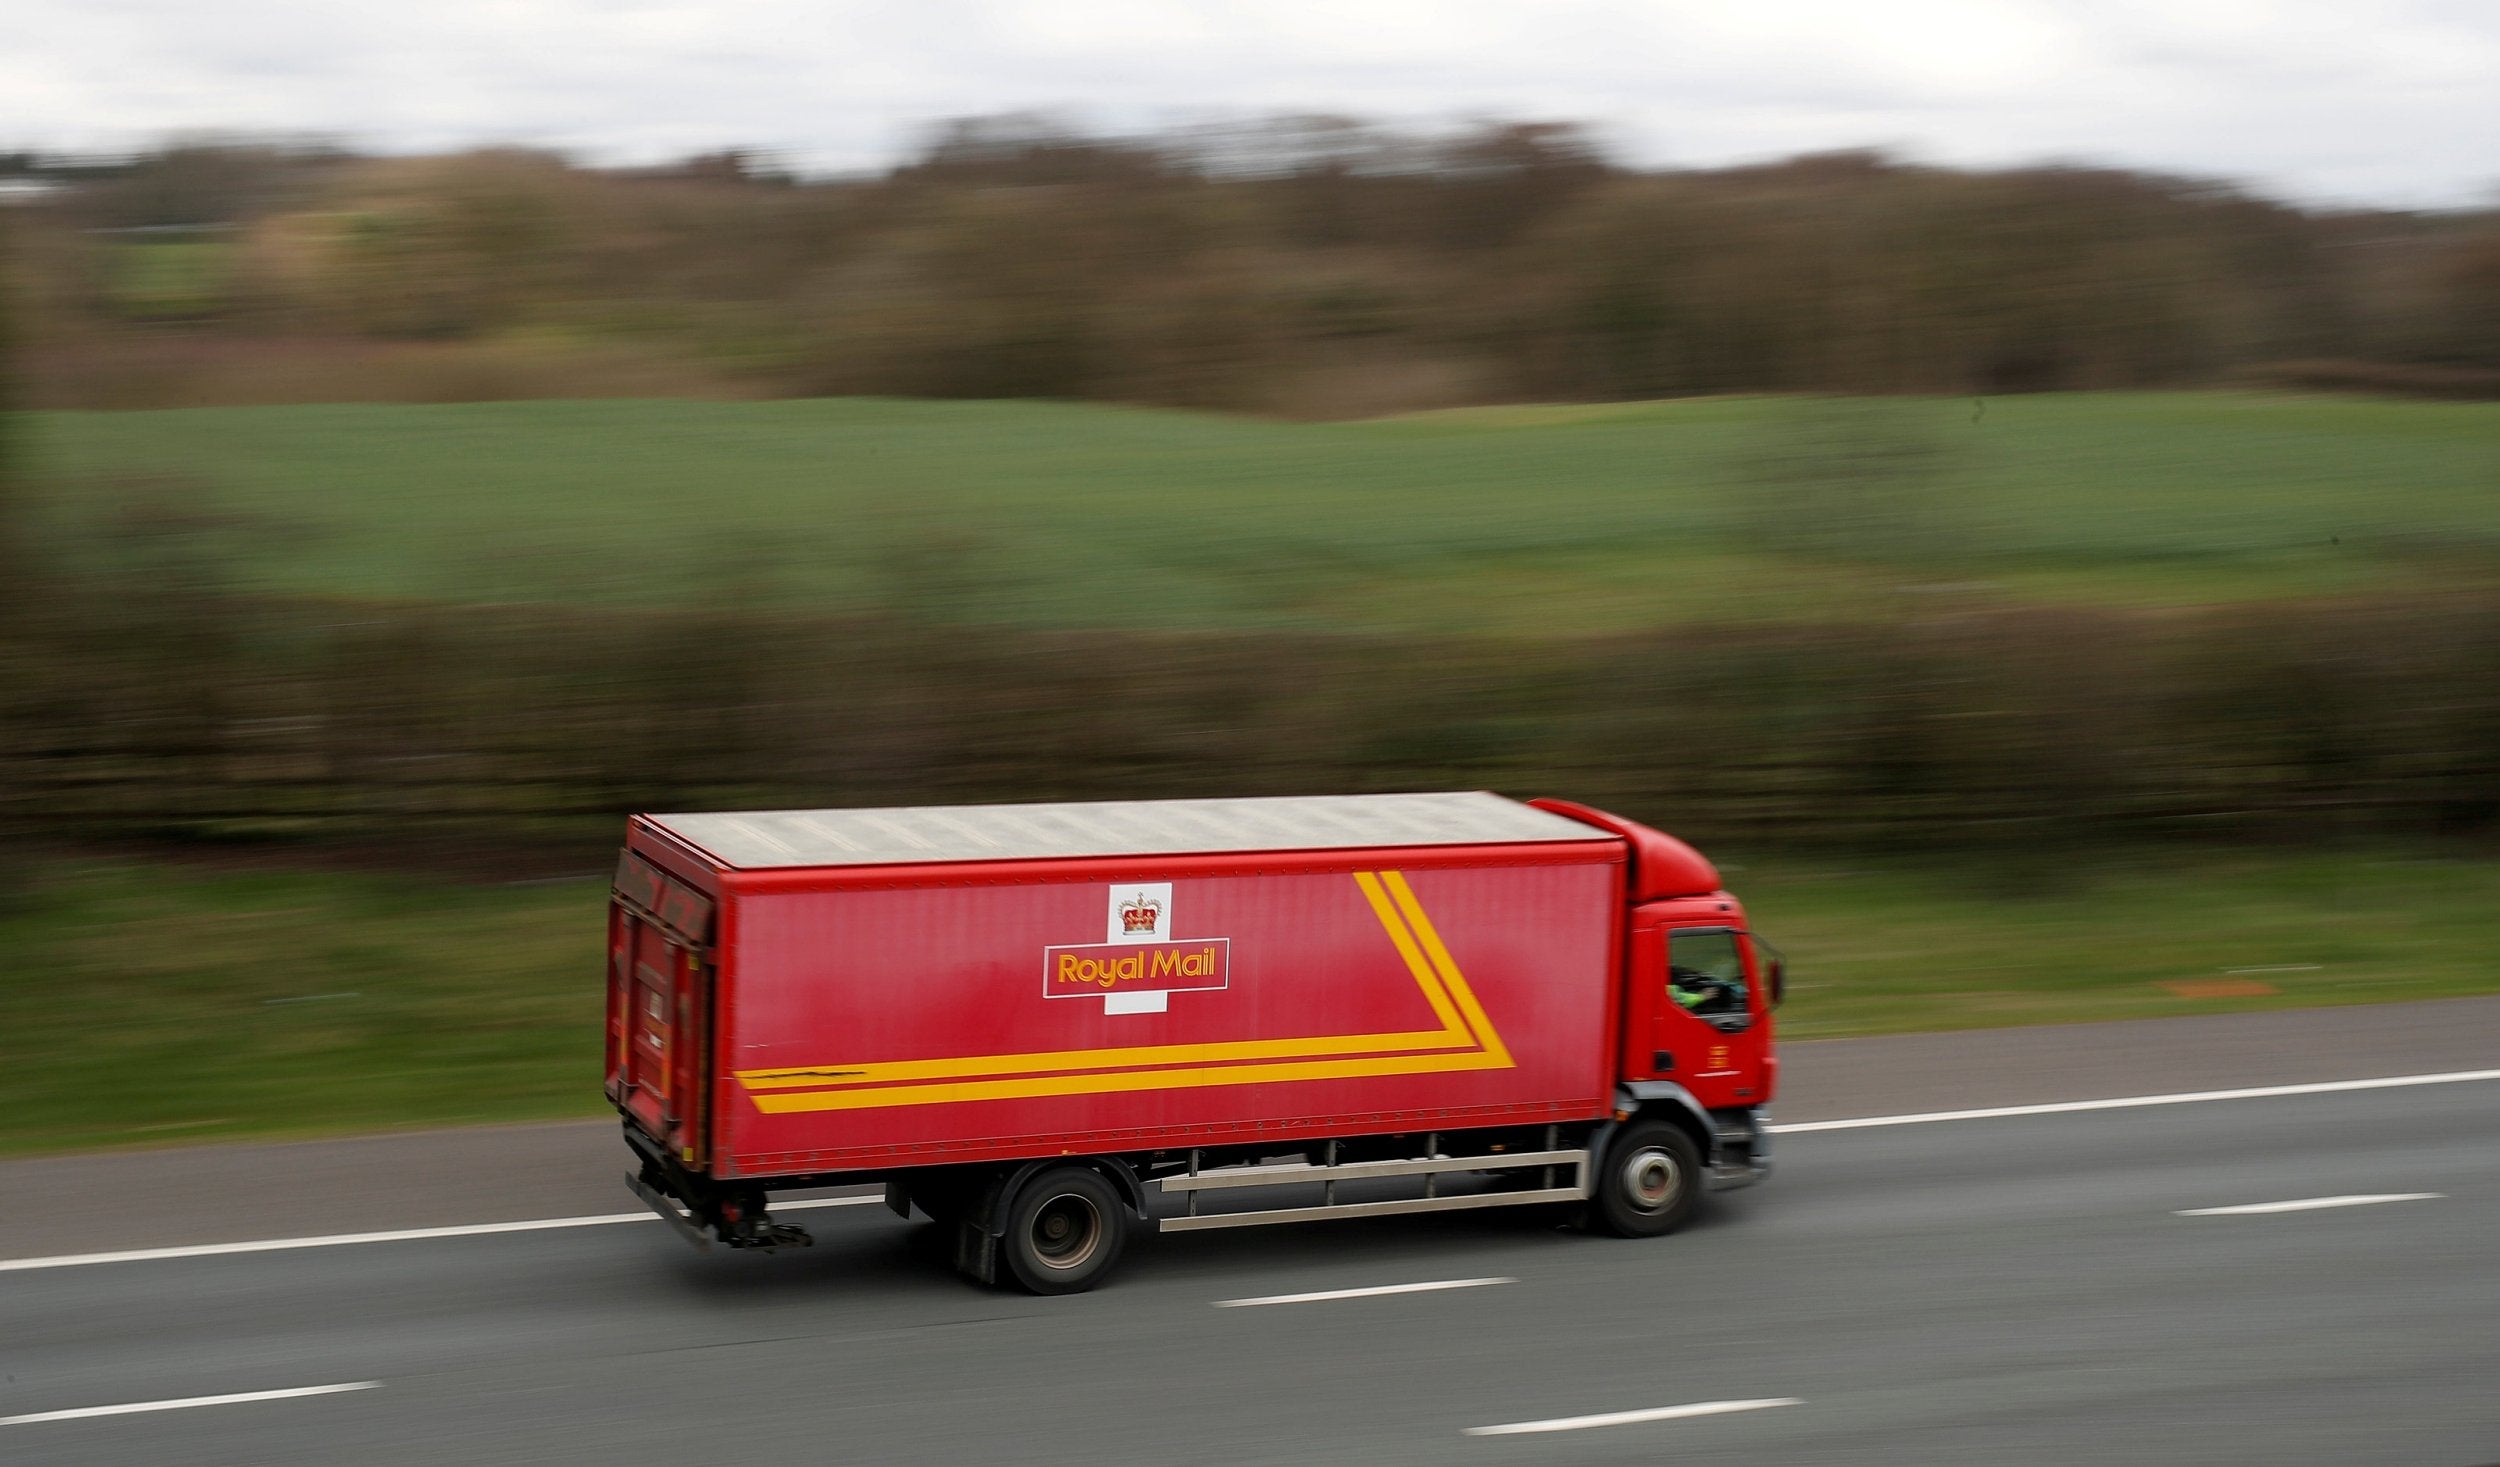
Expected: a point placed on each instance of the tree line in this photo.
(1296, 265)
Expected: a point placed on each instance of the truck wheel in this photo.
(1650, 1181)
(1065, 1231)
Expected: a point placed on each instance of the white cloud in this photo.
(2394, 102)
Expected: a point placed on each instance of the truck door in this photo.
(659, 982)
(1697, 999)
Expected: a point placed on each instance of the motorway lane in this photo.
(211, 1194)
(1986, 1291)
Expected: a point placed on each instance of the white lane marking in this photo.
(2311, 1204)
(2130, 1102)
(1373, 1292)
(187, 1402)
(1627, 1418)
(2062, 1107)
(396, 1235)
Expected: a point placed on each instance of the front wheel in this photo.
(1650, 1181)
(1065, 1230)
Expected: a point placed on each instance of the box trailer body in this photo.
(943, 998)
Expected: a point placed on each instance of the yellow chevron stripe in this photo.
(1043, 1062)
(1466, 1028)
(1124, 1080)
(1454, 1033)
(1446, 966)
(1427, 975)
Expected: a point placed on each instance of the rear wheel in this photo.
(1650, 1181)
(1065, 1230)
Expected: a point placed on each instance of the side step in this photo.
(1429, 1168)
(1203, 1221)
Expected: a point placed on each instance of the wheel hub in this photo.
(1650, 1179)
(1066, 1231)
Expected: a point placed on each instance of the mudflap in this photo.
(978, 1232)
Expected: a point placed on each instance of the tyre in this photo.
(1065, 1230)
(1650, 1181)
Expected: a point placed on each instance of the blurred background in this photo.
(1964, 548)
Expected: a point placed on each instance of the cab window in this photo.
(1706, 976)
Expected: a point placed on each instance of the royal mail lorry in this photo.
(1044, 1026)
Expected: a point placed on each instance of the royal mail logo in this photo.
(1138, 963)
(1097, 969)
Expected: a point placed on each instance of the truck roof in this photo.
(767, 839)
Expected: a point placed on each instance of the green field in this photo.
(159, 1003)
(155, 1004)
(1514, 520)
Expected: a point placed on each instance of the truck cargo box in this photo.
(811, 992)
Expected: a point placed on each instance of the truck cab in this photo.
(1699, 990)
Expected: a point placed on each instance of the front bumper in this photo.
(1740, 1151)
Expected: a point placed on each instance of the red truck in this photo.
(1034, 1022)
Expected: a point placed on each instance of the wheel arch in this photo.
(989, 1208)
(1667, 1101)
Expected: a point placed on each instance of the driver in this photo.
(1699, 993)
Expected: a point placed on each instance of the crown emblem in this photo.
(1139, 915)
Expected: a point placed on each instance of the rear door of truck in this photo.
(659, 990)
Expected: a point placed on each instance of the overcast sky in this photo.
(2346, 101)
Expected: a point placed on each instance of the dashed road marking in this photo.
(1628, 1418)
(1379, 1289)
(2311, 1204)
(396, 1235)
(2131, 1102)
(184, 1403)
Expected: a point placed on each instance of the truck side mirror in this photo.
(1779, 982)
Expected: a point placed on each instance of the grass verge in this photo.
(151, 1004)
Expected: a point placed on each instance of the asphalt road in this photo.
(213, 1194)
(2017, 1289)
